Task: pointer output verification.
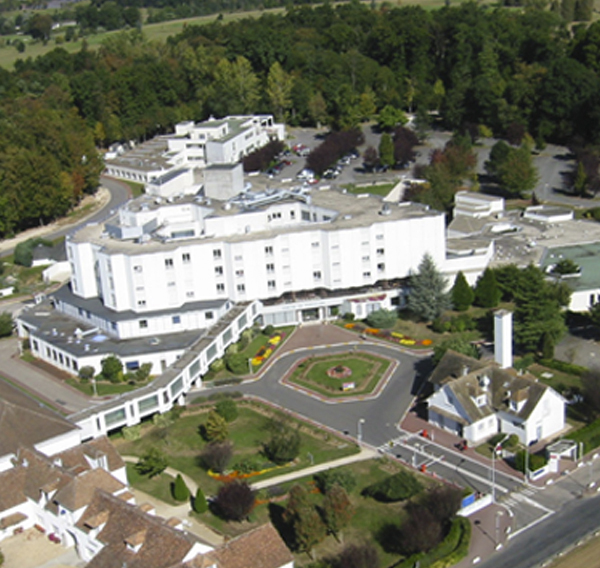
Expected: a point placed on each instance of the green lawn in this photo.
(158, 486)
(589, 435)
(183, 444)
(370, 519)
(367, 371)
(103, 389)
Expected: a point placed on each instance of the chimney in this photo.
(503, 338)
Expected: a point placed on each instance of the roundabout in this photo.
(349, 375)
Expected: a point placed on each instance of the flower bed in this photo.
(232, 475)
(388, 335)
(339, 372)
(267, 350)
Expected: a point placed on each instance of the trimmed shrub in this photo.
(397, 487)
(534, 461)
(180, 489)
(568, 368)
(237, 364)
(328, 478)
(215, 429)
(199, 504)
(268, 330)
(228, 409)
(284, 444)
(86, 373)
(152, 463)
(249, 464)
(217, 365)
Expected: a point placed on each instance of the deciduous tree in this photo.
(337, 510)
(234, 501)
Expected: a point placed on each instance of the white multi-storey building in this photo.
(169, 164)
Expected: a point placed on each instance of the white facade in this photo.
(477, 205)
(503, 338)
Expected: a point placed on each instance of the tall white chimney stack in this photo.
(503, 338)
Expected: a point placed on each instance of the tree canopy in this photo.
(428, 297)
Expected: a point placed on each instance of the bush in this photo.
(112, 369)
(227, 408)
(328, 478)
(568, 368)
(218, 365)
(162, 420)
(237, 364)
(397, 487)
(86, 373)
(142, 374)
(132, 433)
(180, 489)
(199, 504)
(234, 501)
(382, 318)
(215, 429)
(348, 316)
(6, 324)
(152, 463)
(217, 455)
(248, 465)
(268, 330)
(23, 255)
(533, 461)
(284, 444)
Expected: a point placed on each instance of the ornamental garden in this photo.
(345, 375)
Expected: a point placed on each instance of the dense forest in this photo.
(495, 68)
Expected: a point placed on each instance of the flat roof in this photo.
(353, 211)
(586, 256)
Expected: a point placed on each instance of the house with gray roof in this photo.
(476, 400)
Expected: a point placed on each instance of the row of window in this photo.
(57, 356)
(176, 320)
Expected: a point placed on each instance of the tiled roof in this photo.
(80, 490)
(26, 422)
(161, 545)
(75, 458)
(259, 548)
(469, 379)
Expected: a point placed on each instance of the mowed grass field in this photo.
(156, 32)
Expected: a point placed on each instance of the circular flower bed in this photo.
(339, 372)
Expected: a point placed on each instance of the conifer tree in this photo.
(200, 505)
(428, 297)
(462, 294)
(216, 429)
(180, 489)
(487, 293)
(337, 510)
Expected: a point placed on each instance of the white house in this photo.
(476, 400)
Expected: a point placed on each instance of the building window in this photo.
(317, 275)
(306, 215)
(365, 243)
(292, 214)
(168, 263)
(209, 315)
(176, 320)
(219, 270)
(113, 325)
(189, 294)
(366, 258)
(186, 257)
(217, 253)
(137, 268)
(143, 324)
(270, 268)
(271, 284)
(269, 251)
(170, 284)
(381, 266)
(380, 252)
(35, 345)
(366, 275)
(141, 303)
(315, 244)
(239, 273)
(379, 237)
(238, 258)
(220, 288)
(241, 288)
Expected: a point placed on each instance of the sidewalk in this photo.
(365, 453)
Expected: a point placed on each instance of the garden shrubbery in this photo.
(397, 487)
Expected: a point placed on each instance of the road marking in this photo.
(525, 499)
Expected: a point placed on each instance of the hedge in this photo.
(568, 368)
(449, 552)
(397, 487)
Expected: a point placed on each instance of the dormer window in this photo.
(480, 400)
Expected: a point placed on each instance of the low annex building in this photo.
(476, 400)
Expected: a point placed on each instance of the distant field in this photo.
(157, 32)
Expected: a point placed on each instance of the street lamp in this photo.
(497, 447)
(498, 543)
(250, 367)
(361, 421)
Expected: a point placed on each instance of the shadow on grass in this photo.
(284, 529)
(389, 537)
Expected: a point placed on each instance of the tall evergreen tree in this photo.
(216, 429)
(200, 505)
(428, 297)
(462, 294)
(180, 489)
(487, 293)
(386, 150)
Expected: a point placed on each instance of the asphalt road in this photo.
(578, 518)
(381, 415)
